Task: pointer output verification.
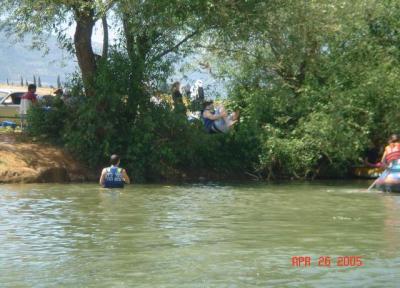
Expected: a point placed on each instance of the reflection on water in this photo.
(197, 235)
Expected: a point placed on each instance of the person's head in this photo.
(114, 160)
(176, 86)
(208, 105)
(394, 138)
(32, 88)
(58, 92)
(198, 83)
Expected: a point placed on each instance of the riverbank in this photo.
(24, 161)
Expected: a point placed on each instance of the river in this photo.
(203, 235)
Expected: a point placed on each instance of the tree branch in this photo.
(105, 36)
(107, 6)
(225, 49)
(176, 46)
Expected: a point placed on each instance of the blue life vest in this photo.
(114, 178)
(208, 123)
(395, 166)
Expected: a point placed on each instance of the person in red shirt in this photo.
(27, 99)
(30, 95)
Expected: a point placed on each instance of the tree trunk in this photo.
(135, 92)
(105, 37)
(129, 39)
(83, 46)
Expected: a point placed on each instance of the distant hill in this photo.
(17, 59)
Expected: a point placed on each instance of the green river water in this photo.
(204, 235)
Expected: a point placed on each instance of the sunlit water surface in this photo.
(197, 235)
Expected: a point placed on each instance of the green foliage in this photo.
(319, 79)
(157, 144)
(48, 123)
(316, 83)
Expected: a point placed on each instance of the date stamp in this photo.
(328, 261)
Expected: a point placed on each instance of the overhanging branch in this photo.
(107, 6)
(176, 46)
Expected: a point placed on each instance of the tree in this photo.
(309, 77)
(58, 81)
(155, 35)
(152, 30)
(43, 17)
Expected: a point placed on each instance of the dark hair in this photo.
(205, 104)
(175, 86)
(394, 138)
(31, 86)
(114, 159)
(59, 91)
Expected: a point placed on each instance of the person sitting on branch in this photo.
(217, 120)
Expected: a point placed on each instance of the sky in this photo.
(97, 36)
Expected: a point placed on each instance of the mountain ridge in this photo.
(18, 60)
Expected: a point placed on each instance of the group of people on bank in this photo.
(31, 98)
(216, 119)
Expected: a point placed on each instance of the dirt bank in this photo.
(27, 162)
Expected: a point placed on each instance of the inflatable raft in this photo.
(389, 181)
(367, 172)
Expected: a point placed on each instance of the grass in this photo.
(6, 130)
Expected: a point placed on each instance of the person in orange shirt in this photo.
(392, 151)
(389, 181)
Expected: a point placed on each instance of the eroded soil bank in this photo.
(28, 162)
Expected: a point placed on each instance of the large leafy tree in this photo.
(153, 34)
(318, 78)
(151, 30)
(42, 18)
